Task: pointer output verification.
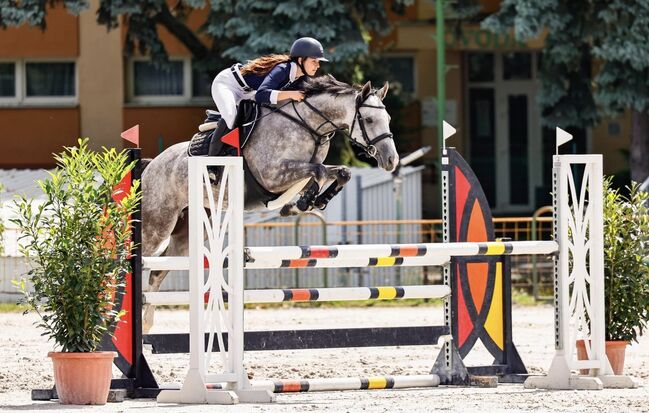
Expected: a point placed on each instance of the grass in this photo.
(12, 308)
(519, 297)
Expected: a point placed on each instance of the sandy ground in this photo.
(24, 366)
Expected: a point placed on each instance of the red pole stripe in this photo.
(299, 263)
(409, 251)
(291, 386)
(301, 294)
(321, 252)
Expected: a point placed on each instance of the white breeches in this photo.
(227, 94)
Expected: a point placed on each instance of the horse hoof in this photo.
(302, 204)
(288, 210)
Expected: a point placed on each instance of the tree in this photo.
(237, 30)
(609, 35)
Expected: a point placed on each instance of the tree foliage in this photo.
(615, 33)
(595, 62)
(237, 30)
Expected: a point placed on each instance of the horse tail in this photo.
(144, 162)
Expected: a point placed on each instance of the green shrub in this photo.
(78, 242)
(626, 272)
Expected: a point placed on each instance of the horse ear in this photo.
(366, 90)
(383, 91)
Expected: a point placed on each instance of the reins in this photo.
(321, 138)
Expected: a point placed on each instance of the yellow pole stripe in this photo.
(496, 249)
(385, 261)
(387, 293)
(377, 383)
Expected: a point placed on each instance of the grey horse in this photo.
(288, 145)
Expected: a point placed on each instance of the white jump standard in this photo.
(226, 252)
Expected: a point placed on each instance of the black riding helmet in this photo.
(307, 47)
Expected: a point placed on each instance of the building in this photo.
(72, 80)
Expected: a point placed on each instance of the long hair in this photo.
(264, 64)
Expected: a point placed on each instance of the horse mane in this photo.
(327, 84)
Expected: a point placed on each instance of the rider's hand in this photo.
(297, 95)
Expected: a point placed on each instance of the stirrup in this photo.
(213, 175)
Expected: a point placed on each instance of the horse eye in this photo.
(369, 120)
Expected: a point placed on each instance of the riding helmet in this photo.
(308, 47)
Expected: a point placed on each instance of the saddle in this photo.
(247, 115)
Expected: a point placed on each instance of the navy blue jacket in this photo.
(268, 86)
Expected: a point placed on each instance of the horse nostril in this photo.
(390, 160)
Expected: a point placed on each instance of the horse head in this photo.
(370, 127)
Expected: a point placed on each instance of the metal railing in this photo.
(536, 277)
(526, 273)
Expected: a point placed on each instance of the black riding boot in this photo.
(215, 147)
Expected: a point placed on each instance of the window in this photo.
(7, 80)
(517, 66)
(38, 82)
(402, 69)
(49, 79)
(201, 83)
(151, 80)
(481, 67)
(174, 83)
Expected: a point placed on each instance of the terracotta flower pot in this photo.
(615, 351)
(82, 378)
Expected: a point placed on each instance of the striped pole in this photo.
(312, 294)
(272, 254)
(377, 255)
(348, 262)
(181, 263)
(342, 383)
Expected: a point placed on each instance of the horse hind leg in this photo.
(148, 310)
(178, 246)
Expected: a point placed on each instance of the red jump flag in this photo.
(232, 139)
(132, 135)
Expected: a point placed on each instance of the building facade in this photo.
(72, 80)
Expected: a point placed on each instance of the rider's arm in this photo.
(268, 91)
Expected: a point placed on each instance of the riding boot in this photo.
(216, 146)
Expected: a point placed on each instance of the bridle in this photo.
(322, 138)
(369, 147)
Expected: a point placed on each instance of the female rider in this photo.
(264, 80)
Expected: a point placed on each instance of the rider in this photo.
(264, 80)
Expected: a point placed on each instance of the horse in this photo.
(288, 145)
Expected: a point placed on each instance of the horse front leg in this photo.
(342, 175)
(290, 172)
(320, 174)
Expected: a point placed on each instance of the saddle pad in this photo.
(199, 145)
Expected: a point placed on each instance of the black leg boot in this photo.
(215, 148)
(216, 145)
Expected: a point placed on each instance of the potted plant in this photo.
(78, 243)
(626, 270)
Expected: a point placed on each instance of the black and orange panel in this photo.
(480, 304)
